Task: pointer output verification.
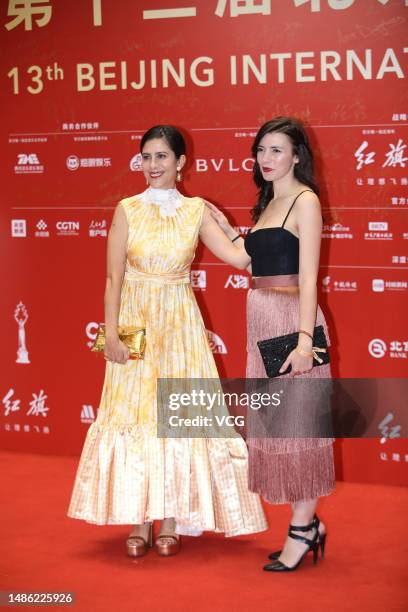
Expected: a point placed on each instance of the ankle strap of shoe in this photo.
(300, 538)
(303, 527)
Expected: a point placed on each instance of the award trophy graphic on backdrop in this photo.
(21, 316)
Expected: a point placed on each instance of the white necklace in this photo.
(167, 199)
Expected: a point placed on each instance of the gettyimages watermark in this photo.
(282, 408)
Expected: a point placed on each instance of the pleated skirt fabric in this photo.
(286, 469)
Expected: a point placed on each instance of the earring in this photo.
(178, 175)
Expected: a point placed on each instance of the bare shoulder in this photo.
(308, 205)
(308, 199)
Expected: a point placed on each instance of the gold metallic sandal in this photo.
(137, 546)
(167, 548)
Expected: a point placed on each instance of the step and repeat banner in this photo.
(81, 82)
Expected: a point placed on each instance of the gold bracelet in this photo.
(302, 352)
(302, 331)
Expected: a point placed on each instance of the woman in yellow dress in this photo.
(126, 474)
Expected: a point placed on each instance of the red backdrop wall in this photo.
(82, 81)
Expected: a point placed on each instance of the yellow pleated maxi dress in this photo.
(126, 474)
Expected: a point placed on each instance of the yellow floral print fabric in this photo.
(126, 474)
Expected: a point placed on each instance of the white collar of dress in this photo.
(167, 199)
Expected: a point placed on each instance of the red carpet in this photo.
(42, 550)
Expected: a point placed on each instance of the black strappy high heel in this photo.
(278, 566)
(321, 538)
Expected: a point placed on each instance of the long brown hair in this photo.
(304, 169)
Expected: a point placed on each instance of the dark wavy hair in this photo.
(171, 135)
(304, 169)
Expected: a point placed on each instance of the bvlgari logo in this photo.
(228, 165)
(21, 316)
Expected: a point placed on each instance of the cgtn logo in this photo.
(378, 230)
(198, 279)
(237, 281)
(217, 345)
(220, 163)
(135, 163)
(396, 349)
(28, 163)
(67, 228)
(337, 230)
(379, 285)
(98, 228)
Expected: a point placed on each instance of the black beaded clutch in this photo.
(275, 351)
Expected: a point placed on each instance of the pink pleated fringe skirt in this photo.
(284, 470)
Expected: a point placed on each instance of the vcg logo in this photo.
(216, 343)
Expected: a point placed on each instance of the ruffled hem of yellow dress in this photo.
(127, 475)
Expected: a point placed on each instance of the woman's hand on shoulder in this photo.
(219, 217)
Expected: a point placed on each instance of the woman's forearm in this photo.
(307, 309)
(112, 306)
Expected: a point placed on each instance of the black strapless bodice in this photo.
(273, 251)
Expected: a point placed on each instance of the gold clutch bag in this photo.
(134, 338)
